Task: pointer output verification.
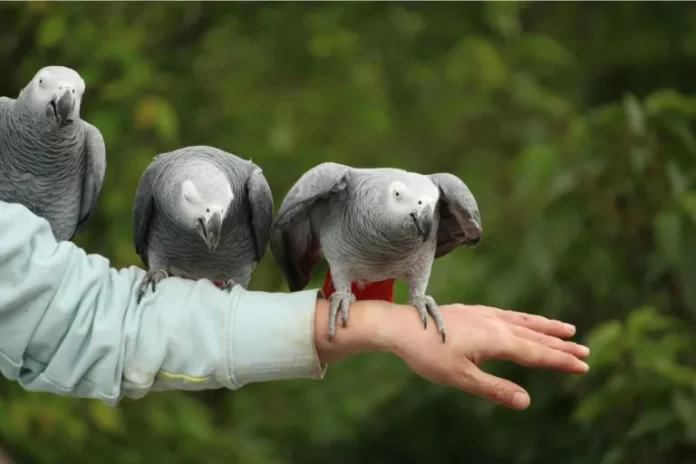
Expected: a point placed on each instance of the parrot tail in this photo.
(382, 290)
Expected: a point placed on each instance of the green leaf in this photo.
(479, 60)
(681, 130)
(634, 115)
(605, 343)
(685, 410)
(504, 17)
(534, 169)
(105, 417)
(650, 422)
(647, 318)
(51, 31)
(669, 101)
(668, 230)
(688, 203)
(614, 456)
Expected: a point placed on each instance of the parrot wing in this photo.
(460, 220)
(260, 200)
(294, 240)
(143, 208)
(95, 170)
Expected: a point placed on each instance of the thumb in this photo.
(494, 388)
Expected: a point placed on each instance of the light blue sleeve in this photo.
(70, 325)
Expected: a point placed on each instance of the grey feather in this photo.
(5, 104)
(164, 239)
(372, 225)
(95, 170)
(459, 213)
(143, 209)
(261, 208)
(51, 161)
(294, 240)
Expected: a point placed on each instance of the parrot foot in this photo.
(152, 277)
(426, 305)
(339, 301)
(227, 286)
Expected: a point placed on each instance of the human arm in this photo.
(70, 325)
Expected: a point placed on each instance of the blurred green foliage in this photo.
(572, 123)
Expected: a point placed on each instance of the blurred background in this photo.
(572, 123)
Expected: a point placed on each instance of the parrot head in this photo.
(410, 206)
(205, 204)
(55, 95)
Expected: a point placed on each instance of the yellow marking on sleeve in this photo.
(185, 377)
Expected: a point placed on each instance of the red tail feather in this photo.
(382, 290)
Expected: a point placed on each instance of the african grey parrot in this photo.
(201, 213)
(372, 226)
(51, 161)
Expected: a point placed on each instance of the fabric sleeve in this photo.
(70, 324)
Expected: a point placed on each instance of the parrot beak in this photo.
(213, 231)
(424, 222)
(62, 108)
(210, 230)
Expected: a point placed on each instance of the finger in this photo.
(537, 323)
(532, 354)
(494, 388)
(577, 350)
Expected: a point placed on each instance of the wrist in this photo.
(368, 330)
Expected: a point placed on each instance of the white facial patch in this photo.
(44, 79)
(212, 209)
(199, 205)
(189, 192)
(56, 80)
(398, 190)
(426, 200)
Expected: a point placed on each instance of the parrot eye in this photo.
(207, 210)
(420, 202)
(396, 193)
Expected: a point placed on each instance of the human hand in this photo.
(475, 334)
(481, 333)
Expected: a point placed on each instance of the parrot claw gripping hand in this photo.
(202, 213)
(425, 304)
(152, 278)
(372, 226)
(51, 161)
(339, 302)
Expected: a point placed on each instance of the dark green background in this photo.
(572, 123)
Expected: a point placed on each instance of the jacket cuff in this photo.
(272, 337)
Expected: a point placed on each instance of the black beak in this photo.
(424, 222)
(62, 108)
(212, 231)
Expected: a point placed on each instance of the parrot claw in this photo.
(426, 305)
(228, 285)
(339, 301)
(152, 278)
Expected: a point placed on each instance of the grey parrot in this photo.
(51, 161)
(372, 226)
(201, 213)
